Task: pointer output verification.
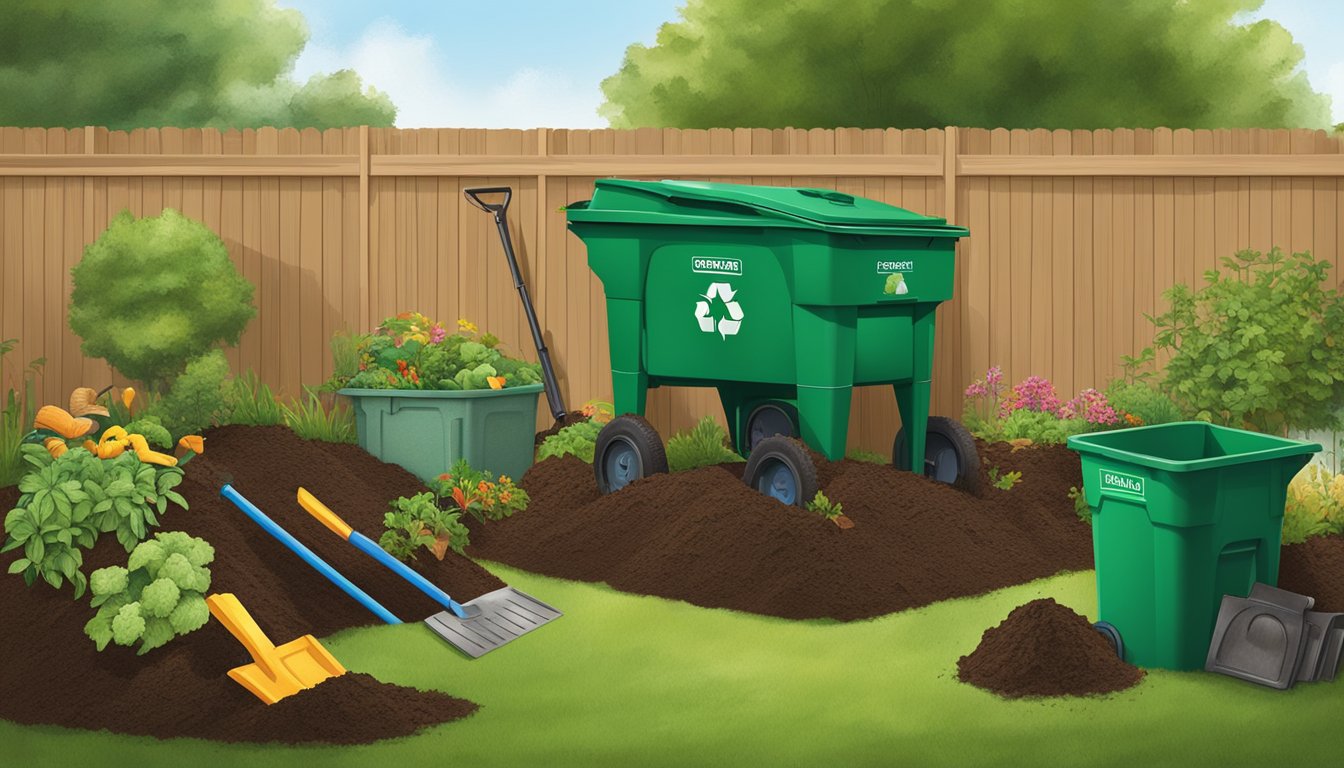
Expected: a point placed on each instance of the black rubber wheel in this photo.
(768, 420)
(781, 468)
(1112, 635)
(949, 454)
(628, 448)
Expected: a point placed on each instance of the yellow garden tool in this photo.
(275, 672)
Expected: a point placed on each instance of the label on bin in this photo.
(888, 266)
(711, 266)
(1119, 482)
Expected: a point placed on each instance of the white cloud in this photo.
(406, 67)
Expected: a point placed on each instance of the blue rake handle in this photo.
(307, 555)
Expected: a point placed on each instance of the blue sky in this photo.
(529, 63)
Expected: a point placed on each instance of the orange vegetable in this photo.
(55, 446)
(193, 443)
(496, 382)
(60, 421)
(147, 454)
(127, 397)
(91, 447)
(84, 401)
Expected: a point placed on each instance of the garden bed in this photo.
(182, 689)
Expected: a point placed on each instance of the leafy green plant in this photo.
(1005, 481)
(252, 403)
(310, 419)
(153, 430)
(16, 417)
(1142, 403)
(869, 456)
(152, 294)
(578, 439)
(1314, 505)
(158, 595)
(410, 351)
(1080, 505)
(198, 398)
(704, 444)
(1255, 346)
(825, 507)
(1040, 427)
(473, 492)
(419, 521)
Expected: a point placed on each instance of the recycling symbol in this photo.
(726, 326)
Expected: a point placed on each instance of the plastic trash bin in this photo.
(1182, 514)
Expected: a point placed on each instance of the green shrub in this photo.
(16, 418)
(311, 420)
(1142, 401)
(153, 430)
(1254, 347)
(704, 444)
(419, 521)
(69, 501)
(159, 595)
(152, 294)
(199, 398)
(578, 439)
(1040, 427)
(252, 403)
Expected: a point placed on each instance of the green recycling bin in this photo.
(1182, 514)
(781, 298)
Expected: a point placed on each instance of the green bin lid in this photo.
(707, 202)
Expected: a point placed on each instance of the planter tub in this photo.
(426, 431)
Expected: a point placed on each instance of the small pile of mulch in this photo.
(1045, 649)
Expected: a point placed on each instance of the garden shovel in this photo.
(475, 627)
(276, 671)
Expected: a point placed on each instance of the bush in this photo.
(159, 595)
(1314, 505)
(199, 398)
(152, 294)
(1144, 402)
(704, 444)
(1255, 347)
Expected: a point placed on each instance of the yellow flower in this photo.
(464, 324)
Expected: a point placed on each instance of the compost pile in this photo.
(1045, 649)
(53, 675)
(704, 537)
(1315, 567)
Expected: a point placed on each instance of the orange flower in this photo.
(445, 477)
(481, 487)
(504, 497)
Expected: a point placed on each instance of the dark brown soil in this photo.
(1315, 568)
(702, 536)
(1045, 649)
(573, 417)
(53, 675)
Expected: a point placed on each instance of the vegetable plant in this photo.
(578, 439)
(310, 419)
(473, 492)
(410, 351)
(1004, 481)
(158, 595)
(1255, 346)
(703, 445)
(419, 521)
(154, 293)
(830, 510)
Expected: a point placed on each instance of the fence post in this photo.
(950, 174)
(365, 320)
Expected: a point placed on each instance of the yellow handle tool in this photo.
(276, 671)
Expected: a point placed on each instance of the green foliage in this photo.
(153, 430)
(1143, 63)
(152, 294)
(344, 357)
(66, 503)
(1143, 401)
(419, 521)
(16, 416)
(704, 444)
(1040, 427)
(410, 351)
(1314, 505)
(1080, 505)
(473, 491)
(158, 595)
(579, 439)
(1005, 481)
(310, 419)
(199, 398)
(825, 507)
(218, 63)
(1255, 346)
(871, 457)
(251, 402)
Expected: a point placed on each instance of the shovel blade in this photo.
(504, 615)
(295, 666)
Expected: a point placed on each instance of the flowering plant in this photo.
(1032, 409)
(411, 351)
(472, 491)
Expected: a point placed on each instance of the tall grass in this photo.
(311, 419)
(253, 403)
(704, 444)
(17, 416)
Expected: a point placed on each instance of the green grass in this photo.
(625, 680)
(252, 402)
(700, 446)
(16, 416)
(311, 420)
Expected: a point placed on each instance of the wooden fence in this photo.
(1074, 234)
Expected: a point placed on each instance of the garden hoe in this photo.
(475, 627)
(275, 672)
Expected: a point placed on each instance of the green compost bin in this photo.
(426, 430)
(776, 296)
(1182, 514)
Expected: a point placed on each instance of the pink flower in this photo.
(977, 390)
(1033, 393)
(994, 376)
(437, 334)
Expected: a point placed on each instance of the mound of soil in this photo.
(1315, 568)
(1045, 649)
(52, 674)
(704, 537)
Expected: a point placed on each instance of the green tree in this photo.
(204, 63)
(152, 294)
(913, 63)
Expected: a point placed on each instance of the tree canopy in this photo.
(204, 63)
(987, 63)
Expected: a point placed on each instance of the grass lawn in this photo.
(643, 681)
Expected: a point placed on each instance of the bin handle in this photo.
(826, 194)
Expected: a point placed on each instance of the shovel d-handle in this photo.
(474, 195)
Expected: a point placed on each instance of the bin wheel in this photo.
(628, 448)
(767, 421)
(781, 468)
(1112, 635)
(949, 454)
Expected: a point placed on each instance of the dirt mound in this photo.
(181, 689)
(1045, 649)
(1316, 568)
(702, 536)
